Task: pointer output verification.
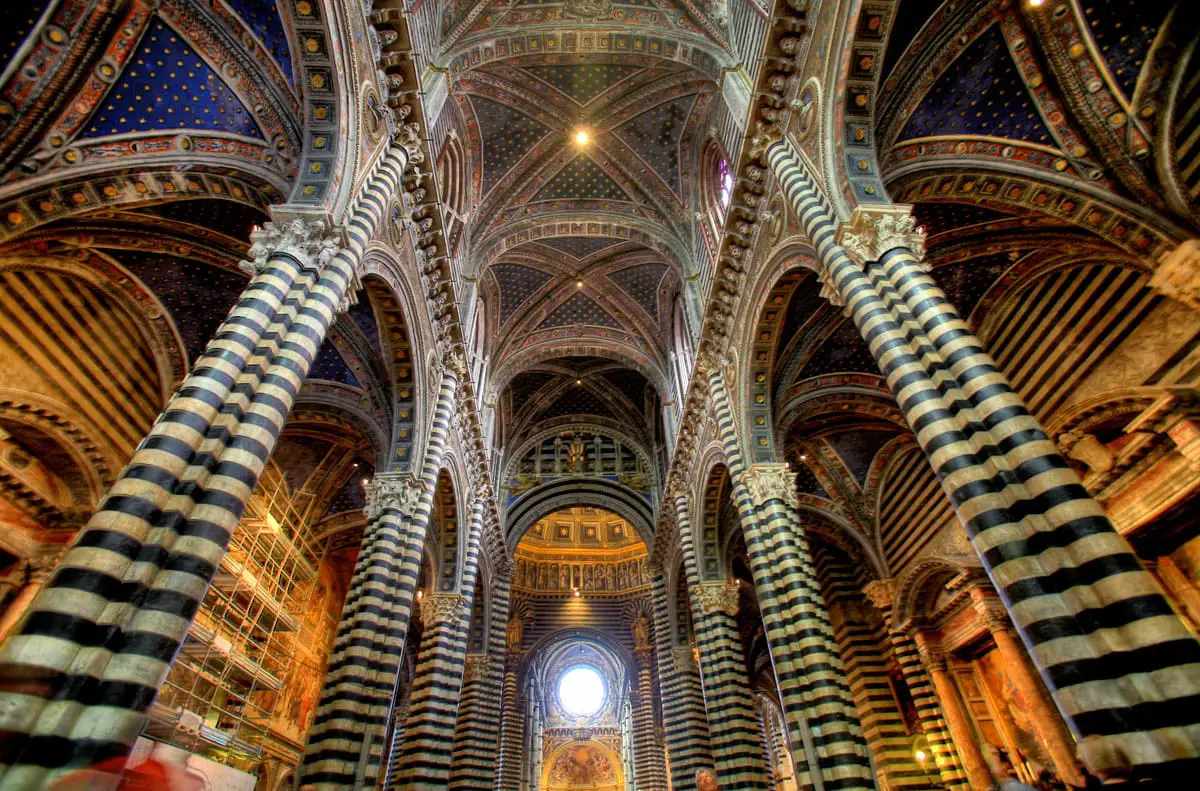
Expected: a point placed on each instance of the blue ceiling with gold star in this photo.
(507, 135)
(583, 82)
(655, 136)
(1124, 33)
(168, 86)
(580, 247)
(581, 179)
(980, 94)
(576, 401)
(641, 284)
(580, 309)
(17, 19)
(516, 284)
(262, 17)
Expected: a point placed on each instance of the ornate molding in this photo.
(717, 597)
(771, 482)
(306, 240)
(881, 593)
(872, 231)
(449, 609)
(683, 657)
(392, 490)
(477, 667)
(1178, 273)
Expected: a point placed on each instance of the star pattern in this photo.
(580, 247)
(939, 216)
(655, 136)
(583, 82)
(262, 17)
(330, 365)
(507, 136)
(857, 449)
(966, 282)
(233, 219)
(581, 179)
(167, 86)
(641, 284)
(579, 309)
(16, 21)
(980, 94)
(1124, 33)
(516, 284)
(842, 352)
(576, 401)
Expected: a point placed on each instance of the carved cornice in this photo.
(448, 609)
(874, 230)
(477, 667)
(771, 482)
(717, 597)
(392, 491)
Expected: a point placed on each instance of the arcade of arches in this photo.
(622, 395)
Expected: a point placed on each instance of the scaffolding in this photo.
(246, 679)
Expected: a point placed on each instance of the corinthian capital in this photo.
(715, 597)
(305, 239)
(395, 490)
(771, 482)
(451, 609)
(873, 230)
(1178, 273)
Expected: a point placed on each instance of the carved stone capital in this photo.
(881, 593)
(305, 239)
(451, 609)
(392, 490)
(990, 609)
(771, 482)
(873, 230)
(1178, 273)
(932, 656)
(477, 667)
(717, 597)
(683, 657)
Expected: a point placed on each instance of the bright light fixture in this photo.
(582, 137)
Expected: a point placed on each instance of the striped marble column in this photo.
(1118, 660)
(731, 721)
(345, 743)
(685, 727)
(88, 658)
(476, 738)
(429, 736)
(958, 721)
(512, 725)
(804, 652)
(881, 594)
(650, 770)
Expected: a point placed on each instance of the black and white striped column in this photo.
(1118, 660)
(345, 743)
(78, 673)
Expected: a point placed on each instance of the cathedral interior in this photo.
(621, 395)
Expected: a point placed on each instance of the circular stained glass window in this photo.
(581, 691)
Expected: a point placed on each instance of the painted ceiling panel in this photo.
(579, 309)
(980, 94)
(1124, 33)
(629, 382)
(507, 136)
(351, 496)
(580, 247)
(583, 82)
(576, 401)
(228, 217)
(581, 179)
(909, 18)
(807, 483)
(641, 284)
(16, 22)
(966, 282)
(166, 87)
(856, 449)
(297, 457)
(516, 284)
(363, 317)
(262, 16)
(655, 136)
(330, 365)
(941, 216)
(525, 385)
(197, 295)
(843, 351)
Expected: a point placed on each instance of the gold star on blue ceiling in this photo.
(584, 82)
(581, 179)
(507, 136)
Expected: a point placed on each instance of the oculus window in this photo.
(581, 691)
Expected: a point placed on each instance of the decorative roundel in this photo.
(581, 691)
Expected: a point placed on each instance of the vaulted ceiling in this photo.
(578, 242)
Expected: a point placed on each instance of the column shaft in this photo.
(648, 753)
(512, 728)
(476, 738)
(804, 651)
(684, 724)
(1118, 660)
(360, 683)
(925, 699)
(957, 719)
